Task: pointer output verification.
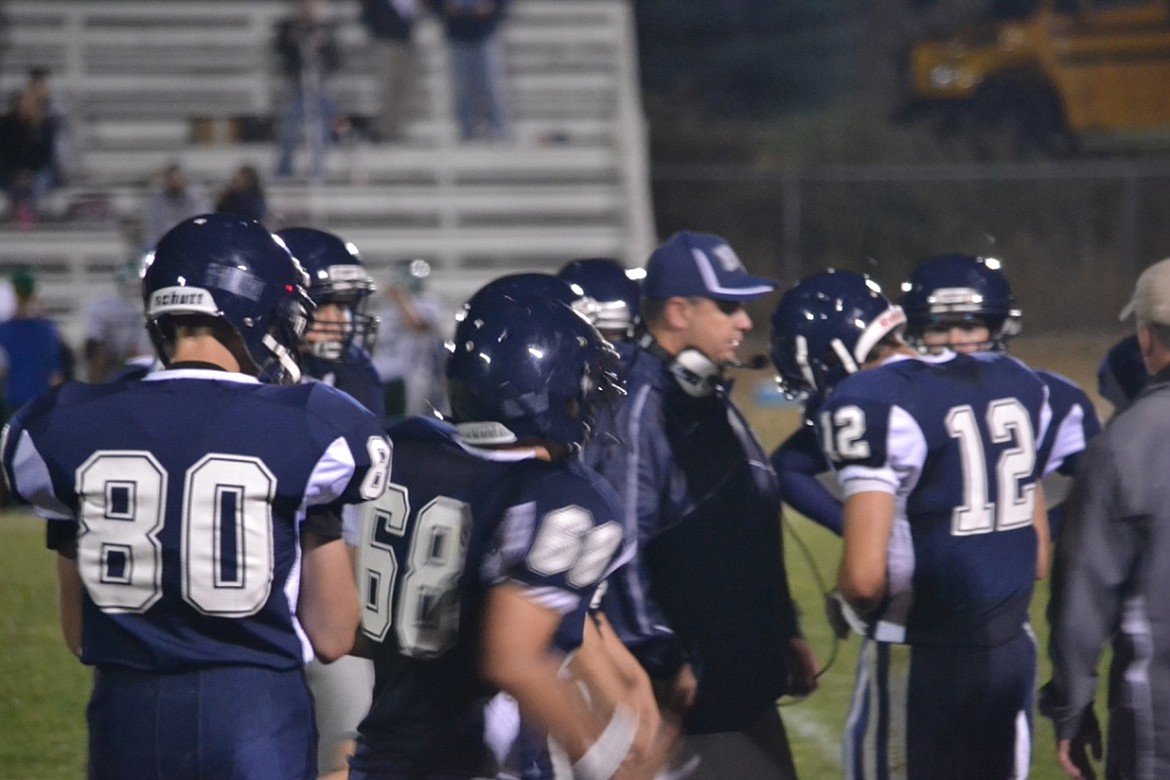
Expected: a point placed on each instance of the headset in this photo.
(694, 372)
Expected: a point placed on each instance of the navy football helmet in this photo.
(530, 286)
(1122, 373)
(234, 270)
(525, 287)
(525, 370)
(824, 329)
(615, 309)
(957, 288)
(338, 277)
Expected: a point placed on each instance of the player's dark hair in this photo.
(166, 330)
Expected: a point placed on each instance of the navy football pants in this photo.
(242, 723)
(941, 712)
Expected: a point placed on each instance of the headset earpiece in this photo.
(694, 372)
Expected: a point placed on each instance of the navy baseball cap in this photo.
(700, 265)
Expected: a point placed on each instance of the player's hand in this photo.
(648, 761)
(1074, 754)
(678, 694)
(642, 703)
(802, 668)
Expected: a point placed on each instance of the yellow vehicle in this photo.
(1054, 75)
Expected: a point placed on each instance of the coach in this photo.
(706, 607)
(1111, 579)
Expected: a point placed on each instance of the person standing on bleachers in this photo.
(390, 24)
(306, 43)
(472, 30)
(172, 202)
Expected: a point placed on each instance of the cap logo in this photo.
(727, 258)
(181, 300)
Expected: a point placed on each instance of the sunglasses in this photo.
(729, 307)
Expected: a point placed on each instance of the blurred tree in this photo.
(758, 59)
(746, 59)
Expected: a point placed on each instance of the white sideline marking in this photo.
(806, 725)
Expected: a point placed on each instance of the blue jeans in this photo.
(481, 108)
(319, 128)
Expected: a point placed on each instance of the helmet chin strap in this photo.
(287, 362)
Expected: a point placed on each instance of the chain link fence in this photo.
(1072, 235)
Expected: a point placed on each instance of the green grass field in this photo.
(43, 689)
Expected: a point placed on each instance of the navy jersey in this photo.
(799, 463)
(355, 375)
(955, 439)
(1074, 422)
(456, 521)
(187, 488)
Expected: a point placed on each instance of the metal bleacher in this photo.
(149, 82)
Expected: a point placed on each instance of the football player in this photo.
(964, 303)
(1122, 374)
(800, 464)
(340, 336)
(478, 565)
(194, 513)
(944, 534)
(613, 295)
(335, 349)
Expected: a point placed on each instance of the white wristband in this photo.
(605, 756)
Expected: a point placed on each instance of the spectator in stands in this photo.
(477, 66)
(28, 167)
(114, 330)
(408, 353)
(244, 195)
(307, 45)
(31, 347)
(390, 24)
(172, 202)
(56, 113)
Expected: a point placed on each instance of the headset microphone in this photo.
(754, 363)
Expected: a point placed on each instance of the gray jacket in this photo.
(1111, 580)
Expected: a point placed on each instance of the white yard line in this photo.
(805, 724)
